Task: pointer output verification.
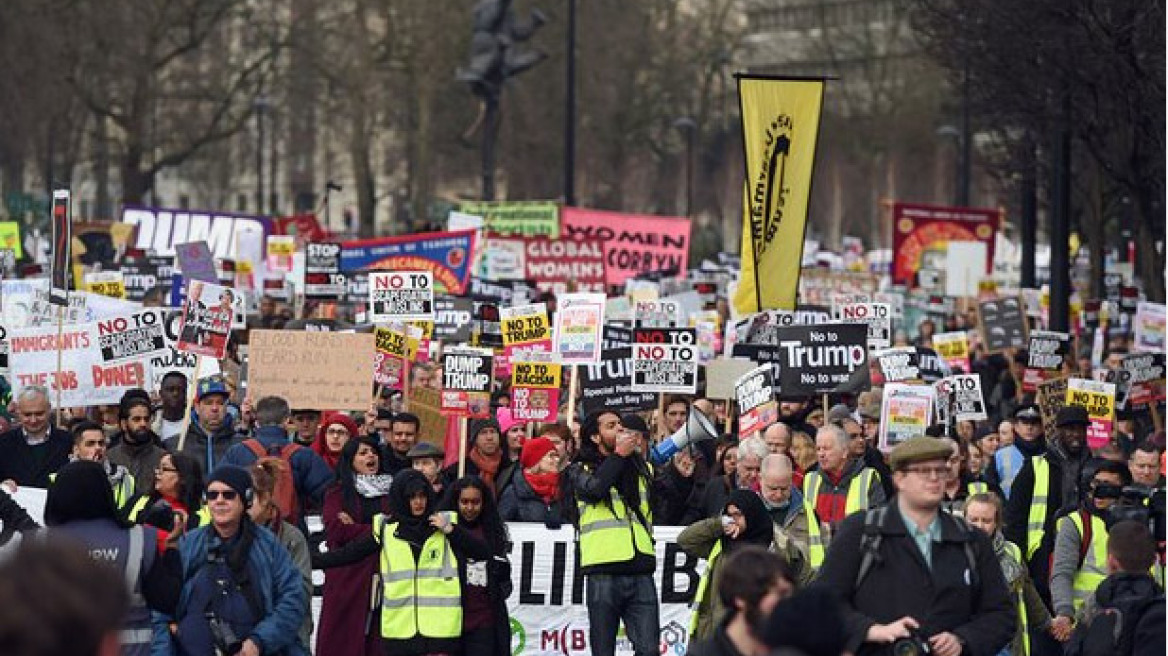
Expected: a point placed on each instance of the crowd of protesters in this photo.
(994, 537)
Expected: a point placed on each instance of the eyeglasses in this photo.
(163, 470)
(337, 431)
(929, 472)
(228, 495)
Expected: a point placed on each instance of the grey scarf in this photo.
(372, 485)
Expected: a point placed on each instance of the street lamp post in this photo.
(260, 104)
(689, 128)
(570, 111)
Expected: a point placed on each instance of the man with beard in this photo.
(91, 444)
(753, 583)
(1043, 486)
(610, 484)
(140, 450)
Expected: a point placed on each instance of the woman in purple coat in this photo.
(360, 492)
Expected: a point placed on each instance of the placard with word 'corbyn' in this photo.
(401, 296)
(665, 360)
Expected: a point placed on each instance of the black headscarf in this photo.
(80, 491)
(760, 530)
(406, 484)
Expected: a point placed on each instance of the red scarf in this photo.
(488, 467)
(546, 485)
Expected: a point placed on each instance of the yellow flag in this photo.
(780, 125)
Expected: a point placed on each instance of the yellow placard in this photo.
(780, 127)
(536, 374)
(10, 237)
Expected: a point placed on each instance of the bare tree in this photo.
(170, 77)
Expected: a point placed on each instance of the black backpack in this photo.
(1112, 631)
(872, 538)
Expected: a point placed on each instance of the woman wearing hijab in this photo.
(420, 555)
(486, 584)
(744, 521)
(350, 505)
(334, 431)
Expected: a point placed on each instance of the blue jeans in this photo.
(632, 598)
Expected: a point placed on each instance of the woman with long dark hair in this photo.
(486, 584)
(177, 493)
(349, 507)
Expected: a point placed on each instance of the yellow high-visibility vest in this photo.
(422, 597)
(616, 534)
(857, 501)
(1036, 520)
(1094, 567)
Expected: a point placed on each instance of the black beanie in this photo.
(478, 425)
(234, 477)
(81, 490)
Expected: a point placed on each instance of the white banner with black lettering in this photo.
(548, 615)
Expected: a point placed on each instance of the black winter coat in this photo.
(519, 503)
(900, 583)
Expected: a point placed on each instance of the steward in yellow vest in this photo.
(1045, 484)
(1079, 560)
(610, 485)
(418, 599)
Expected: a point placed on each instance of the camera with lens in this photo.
(226, 642)
(914, 645)
(1138, 504)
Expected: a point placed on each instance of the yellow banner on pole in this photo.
(780, 127)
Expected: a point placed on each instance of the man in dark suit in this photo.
(33, 450)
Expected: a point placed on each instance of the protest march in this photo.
(543, 428)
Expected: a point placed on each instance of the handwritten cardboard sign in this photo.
(312, 369)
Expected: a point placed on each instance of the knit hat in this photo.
(235, 478)
(534, 450)
(507, 421)
(478, 425)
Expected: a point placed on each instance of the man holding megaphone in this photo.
(610, 483)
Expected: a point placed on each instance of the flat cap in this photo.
(424, 450)
(918, 449)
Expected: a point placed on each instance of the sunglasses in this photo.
(228, 495)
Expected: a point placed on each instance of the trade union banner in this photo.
(780, 128)
(445, 254)
(920, 229)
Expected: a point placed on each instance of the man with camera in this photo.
(1079, 561)
(914, 580)
(241, 593)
